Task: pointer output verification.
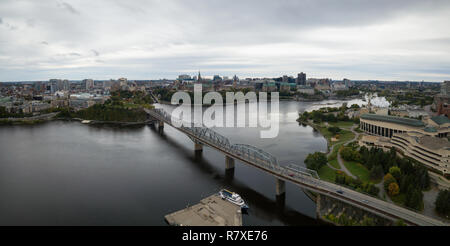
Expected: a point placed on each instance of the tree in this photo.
(393, 189)
(334, 130)
(442, 202)
(399, 223)
(316, 161)
(371, 189)
(376, 172)
(396, 172)
(349, 154)
(414, 198)
(388, 179)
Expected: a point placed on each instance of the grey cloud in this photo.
(68, 54)
(68, 7)
(260, 37)
(8, 25)
(31, 22)
(96, 53)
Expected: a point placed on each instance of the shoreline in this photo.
(29, 122)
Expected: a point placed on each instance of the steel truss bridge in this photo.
(303, 177)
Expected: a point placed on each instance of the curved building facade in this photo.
(433, 152)
(424, 141)
(387, 126)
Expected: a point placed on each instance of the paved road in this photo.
(339, 158)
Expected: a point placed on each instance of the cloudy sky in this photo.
(151, 39)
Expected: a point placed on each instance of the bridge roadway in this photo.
(305, 178)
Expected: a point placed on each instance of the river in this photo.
(67, 173)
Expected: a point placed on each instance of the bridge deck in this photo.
(306, 180)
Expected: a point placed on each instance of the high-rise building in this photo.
(445, 88)
(217, 78)
(88, 84)
(301, 79)
(123, 82)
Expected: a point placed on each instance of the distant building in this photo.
(88, 84)
(184, 77)
(442, 101)
(348, 83)
(305, 89)
(301, 79)
(338, 86)
(122, 82)
(445, 88)
(199, 77)
(217, 78)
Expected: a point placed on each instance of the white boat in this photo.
(233, 198)
(85, 121)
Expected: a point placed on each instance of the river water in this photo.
(67, 173)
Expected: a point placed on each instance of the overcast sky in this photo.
(151, 39)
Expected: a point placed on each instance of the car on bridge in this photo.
(340, 192)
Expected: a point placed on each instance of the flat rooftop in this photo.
(394, 119)
(434, 142)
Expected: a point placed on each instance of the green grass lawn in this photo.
(327, 174)
(334, 163)
(343, 124)
(344, 135)
(358, 170)
(333, 155)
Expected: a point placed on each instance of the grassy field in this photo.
(342, 124)
(334, 163)
(327, 174)
(358, 170)
(344, 135)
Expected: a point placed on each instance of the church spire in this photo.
(199, 76)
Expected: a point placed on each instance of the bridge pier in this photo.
(198, 147)
(280, 187)
(161, 125)
(229, 163)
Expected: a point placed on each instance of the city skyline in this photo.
(359, 40)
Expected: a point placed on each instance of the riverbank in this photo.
(28, 120)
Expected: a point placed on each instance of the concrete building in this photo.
(301, 79)
(184, 77)
(441, 102)
(433, 152)
(338, 86)
(445, 88)
(387, 126)
(305, 89)
(88, 84)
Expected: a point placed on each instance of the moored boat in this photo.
(233, 198)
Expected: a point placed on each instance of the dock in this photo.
(211, 211)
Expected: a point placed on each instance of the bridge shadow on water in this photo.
(261, 206)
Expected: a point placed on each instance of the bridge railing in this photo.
(247, 152)
(251, 154)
